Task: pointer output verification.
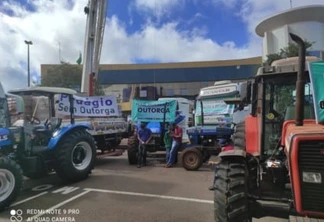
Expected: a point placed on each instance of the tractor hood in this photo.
(4, 137)
(209, 131)
(43, 91)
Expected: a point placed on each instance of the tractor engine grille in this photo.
(311, 159)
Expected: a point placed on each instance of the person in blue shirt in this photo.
(144, 136)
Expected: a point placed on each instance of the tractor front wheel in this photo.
(132, 149)
(11, 182)
(230, 195)
(76, 155)
(192, 159)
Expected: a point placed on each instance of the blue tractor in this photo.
(32, 147)
(213, 121)
(158, 127)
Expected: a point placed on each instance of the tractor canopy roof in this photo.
(2, 92)
(281, 66)
(43, 91)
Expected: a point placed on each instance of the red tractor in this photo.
(277, 166)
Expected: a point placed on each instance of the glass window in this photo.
(4, 117)
(204, 84)
(280, 98)
(183, 92)
(169, 92)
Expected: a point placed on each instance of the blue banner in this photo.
(153, 111)
(316, 72)
(4, 137)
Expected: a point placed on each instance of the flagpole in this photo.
(59, 51)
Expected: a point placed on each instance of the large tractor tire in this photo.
(132, 149)
(36, 175)
(11, 177)
(239, 143)
(230, 195)
(76, 155)
(191, 158)
(231, 184)
(239, 136)
(43, 172)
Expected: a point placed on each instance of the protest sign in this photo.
(94, 106)
(147, 111)
(316, 72)
(214, 107)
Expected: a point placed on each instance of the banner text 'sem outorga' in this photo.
(94, 106)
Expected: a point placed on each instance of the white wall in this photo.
(278, 38)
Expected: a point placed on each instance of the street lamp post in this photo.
(28, 68)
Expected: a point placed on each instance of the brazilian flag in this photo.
(79, 60)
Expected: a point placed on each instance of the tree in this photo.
(291, 50)
(98, 91)
(68, 76)
(63, 75)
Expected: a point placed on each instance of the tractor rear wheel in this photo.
(231, 184)
(239, 136)
(132, 149)
(192, 159)
(239, 143)
(11, 177)
(36, 175)
(76, 155)
(230, 195)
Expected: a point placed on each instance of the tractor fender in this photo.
(190, 145)
(232, 153)
(5, 137)
(59, 134)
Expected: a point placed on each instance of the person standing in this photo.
(144, 136)
(167, 139)
(176, 141)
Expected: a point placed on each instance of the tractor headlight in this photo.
(55, 134)
(16, 137)
(310, 177)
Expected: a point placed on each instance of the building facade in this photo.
(153, 81)
(150, 81)
(306, 22)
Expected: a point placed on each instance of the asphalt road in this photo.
(118, 192)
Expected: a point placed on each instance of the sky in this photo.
(136, 31)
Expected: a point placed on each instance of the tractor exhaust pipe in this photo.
(300, 84)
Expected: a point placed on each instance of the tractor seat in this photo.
(309, 112)
(41, 130)
(38, 128)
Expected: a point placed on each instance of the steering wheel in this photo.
(48, 123)
(33, 119)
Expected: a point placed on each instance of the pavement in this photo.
(119, 192)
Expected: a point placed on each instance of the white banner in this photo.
(218, 90)
(95, 106)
